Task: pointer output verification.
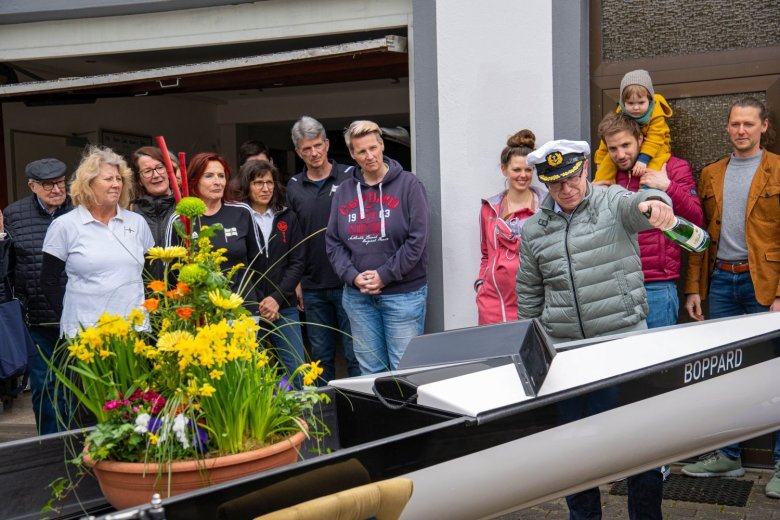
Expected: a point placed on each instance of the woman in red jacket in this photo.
(501, 224)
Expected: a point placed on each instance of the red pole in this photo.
(169, 166)
(183, 168)
(184, 188)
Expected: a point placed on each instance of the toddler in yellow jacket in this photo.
(639, 101)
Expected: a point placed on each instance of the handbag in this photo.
(16, 344)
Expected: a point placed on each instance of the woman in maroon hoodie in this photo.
(377, 244)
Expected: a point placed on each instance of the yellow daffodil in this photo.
(136, 317)
(216, 374)
(207, 390)
(313, 371)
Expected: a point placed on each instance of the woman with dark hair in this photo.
(280, 265)
(153, 197)
(501, 224)
(207, 176)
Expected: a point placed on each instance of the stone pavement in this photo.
(18, 422)
(758, 507)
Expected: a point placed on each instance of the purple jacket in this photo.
(383, 228)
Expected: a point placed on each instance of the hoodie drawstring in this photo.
(381, 210)
(363, 209)
(360, 202)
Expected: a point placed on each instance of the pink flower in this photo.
(112, 405)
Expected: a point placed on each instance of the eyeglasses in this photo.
(571, 182)
(313, 148)
(148, 172)
(263, 184)
(49, 185)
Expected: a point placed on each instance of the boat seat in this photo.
(383, 500)
(310, 485)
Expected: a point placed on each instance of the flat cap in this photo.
(557, 160)
(45, 169)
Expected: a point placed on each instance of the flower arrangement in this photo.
(183, 377)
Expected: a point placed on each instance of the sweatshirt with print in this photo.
(383, 227)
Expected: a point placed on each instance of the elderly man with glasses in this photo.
(581, 275)
(25, 224)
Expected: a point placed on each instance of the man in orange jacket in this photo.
(741, 268)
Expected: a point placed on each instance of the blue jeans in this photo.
(383, 324)
(733, 295)
(645, 493)
(663, 302)
(42, 383)
(645, 490)
(288, 341)
(327, 324)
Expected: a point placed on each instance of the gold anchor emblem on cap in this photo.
(554, 159)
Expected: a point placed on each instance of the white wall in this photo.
(266, 20)
(494, 78)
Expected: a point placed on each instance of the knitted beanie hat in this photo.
(637, 77)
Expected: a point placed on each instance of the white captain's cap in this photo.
(557, 160)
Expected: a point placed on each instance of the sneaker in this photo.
(666, 471)
(773, 486)
(714, 464)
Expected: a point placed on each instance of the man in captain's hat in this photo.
(24, 224)
(581, 275)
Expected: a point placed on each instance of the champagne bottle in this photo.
(686, 234)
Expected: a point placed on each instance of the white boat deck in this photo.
(493, 388)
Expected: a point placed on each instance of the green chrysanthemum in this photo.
(191, 207)
(193, 274)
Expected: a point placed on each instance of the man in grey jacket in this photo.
(581, 275)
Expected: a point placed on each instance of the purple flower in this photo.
(154, 424)
(201, 439)
(284, 384)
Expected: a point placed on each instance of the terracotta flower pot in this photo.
(128, 484)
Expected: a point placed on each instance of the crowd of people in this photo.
(337, 256)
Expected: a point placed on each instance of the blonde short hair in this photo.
(360, 129)
(89, 168)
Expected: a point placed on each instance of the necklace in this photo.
(508, 208)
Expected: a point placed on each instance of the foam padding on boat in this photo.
(722, 491)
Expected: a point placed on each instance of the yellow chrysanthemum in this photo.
(166, 254)
(229, 303)
(169, 340)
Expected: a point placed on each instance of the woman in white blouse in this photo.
(100, 246)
